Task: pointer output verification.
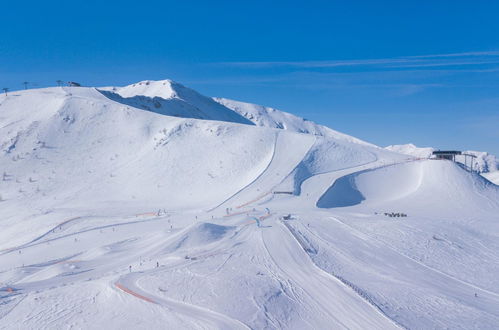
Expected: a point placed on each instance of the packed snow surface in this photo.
(492, 176)
(152, 206)
(483, 161)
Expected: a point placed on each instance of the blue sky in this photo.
(389, 72)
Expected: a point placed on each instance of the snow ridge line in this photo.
(33, 243)
(256, 179)
(133, 293)
(202, 314)
(15, 305)
(7, 250)
(260, 218)
(388, 245)
(234, 214)
(254, 200)
(345, 282)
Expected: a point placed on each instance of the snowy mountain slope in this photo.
(170, 98)
(484, 162)
(492, 177)
(71, 151)
(117, 217)
(448, 236)
(410, 184)
(412, 150)
(270, 117)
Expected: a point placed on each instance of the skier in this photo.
(130, 268)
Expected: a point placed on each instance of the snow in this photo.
(270, 117)
(412, 150)
(164, 89)
(492, 177)
(173, 99)
(483, 163)
(120, 214)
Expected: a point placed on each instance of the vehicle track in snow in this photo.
(347, 309)
(215, 320)
(394, 249)
(130, 284)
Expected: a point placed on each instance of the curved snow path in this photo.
(317, 185)
(252, 182)
(37, 241)
(448, 279)
(338, 302)
(128, 284)
(314, 187)
(34, 240)
(289, 151)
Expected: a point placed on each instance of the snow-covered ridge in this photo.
(165, 89)
(270, 117)
(411, 149)
(170, 98)
(484, 162)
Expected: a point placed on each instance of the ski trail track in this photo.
(344, 307)
(284, 160)
(207, 318)
(400, 266)
(335, 300)
(130, 284)
(492, 295)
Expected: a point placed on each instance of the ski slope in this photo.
(492, 177)
(483, 161)
(151, 206)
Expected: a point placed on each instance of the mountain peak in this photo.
(165, 89)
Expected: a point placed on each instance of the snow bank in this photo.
(483, 163)
(436, 184)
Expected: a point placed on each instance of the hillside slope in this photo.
(152, 206)
(484, 162)
(270, 117)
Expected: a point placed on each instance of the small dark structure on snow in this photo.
(447, 154)
(73, 84)
(451, 155)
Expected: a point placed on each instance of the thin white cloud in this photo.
(463, 60)
(463, 54)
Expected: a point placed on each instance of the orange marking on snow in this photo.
(146, 214)
(127, 290)
(237, 213)
(10, 290)
(261, 218)
(254, 200)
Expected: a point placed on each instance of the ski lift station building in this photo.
(452, 154)
(446, 154)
